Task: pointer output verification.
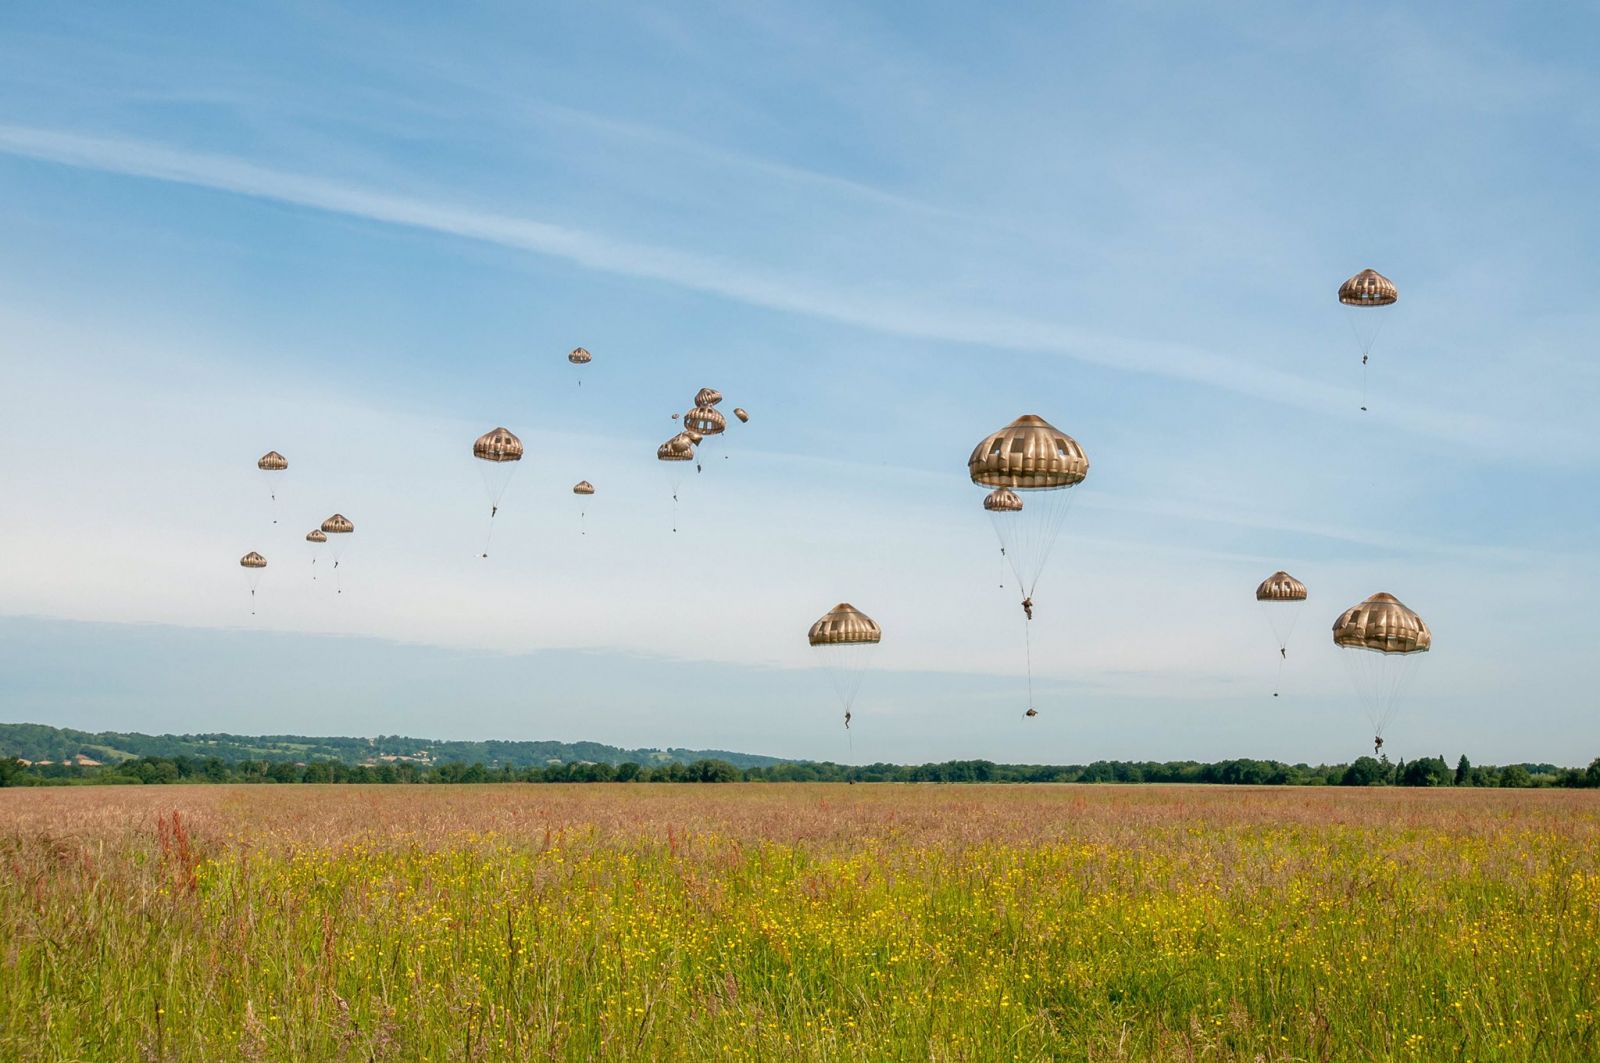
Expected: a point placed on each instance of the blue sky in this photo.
(363, 238)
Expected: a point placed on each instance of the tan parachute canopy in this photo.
(272, 461)
(579, 356)
(1368, 288)
(497, 445)
(1028, 454)
(1002, 500)
(338, 524)
(1383, 624)
(705, 420)
(742, 414)
(1281, 587)
(844, 625)
(583, 487)
(678, 448)
(253, 560)
(315, 535)
(707, 397)
(695, 437)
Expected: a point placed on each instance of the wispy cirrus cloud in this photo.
(739, 281)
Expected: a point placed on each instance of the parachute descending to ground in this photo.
(1282, 599)
(742, 414)
(584, 490)
(273, 466)
(1384, 640)
(706, 422)
(316, 537)
(499, 450)
(1031, 456)
(253, 565)
(845, 639)
(1363, 293)
(339, 528)
(674, 455)
(1043, 463)
(580, 358)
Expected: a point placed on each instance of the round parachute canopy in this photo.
(844, 625)
(583, 487)
(253, 560)
(1368, 288)
(674, 417)
(272, 461)
(741, 413)
(1029, 454)
(579, 356)
(1384, 625)
(315, 535)
(705, 420)
(678, 448)
(707, 397)
(1002, 500)
(1281, 587)
(338, 524)
(498, 445)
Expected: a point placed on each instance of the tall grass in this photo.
(809, 922)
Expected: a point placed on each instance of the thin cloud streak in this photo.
(732, 280)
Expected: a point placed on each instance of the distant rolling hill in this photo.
(39, 742)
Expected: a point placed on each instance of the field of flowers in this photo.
(771, 922)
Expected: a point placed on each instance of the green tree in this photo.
(1591, 777)
(1515, 776)
(1426, 771)
(1365, 771)
(1463, 771)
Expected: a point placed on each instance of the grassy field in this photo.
(798, 922)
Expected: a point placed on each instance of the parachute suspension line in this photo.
(1365, 343)
(1003, 563)
(1027, 643)
(489, 537)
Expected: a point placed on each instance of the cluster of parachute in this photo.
(500, 451)
(273, 466)
(702, 425)
(1029, 468)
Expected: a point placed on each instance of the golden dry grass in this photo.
(807, 922)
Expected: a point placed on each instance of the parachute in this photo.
(705, 421)
(1385, 641)
(673, 454)
(316, 537)
(845, 639)
(583, 489)
(1281, 597)
(580, 358)
(1033, 456)
(253, 564)
(1362, 293)
(272, 465)
(998, 503)
(707, 397)
(739, 412)
(339, 527)
(499, 450)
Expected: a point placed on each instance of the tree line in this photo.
(1364, 771)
